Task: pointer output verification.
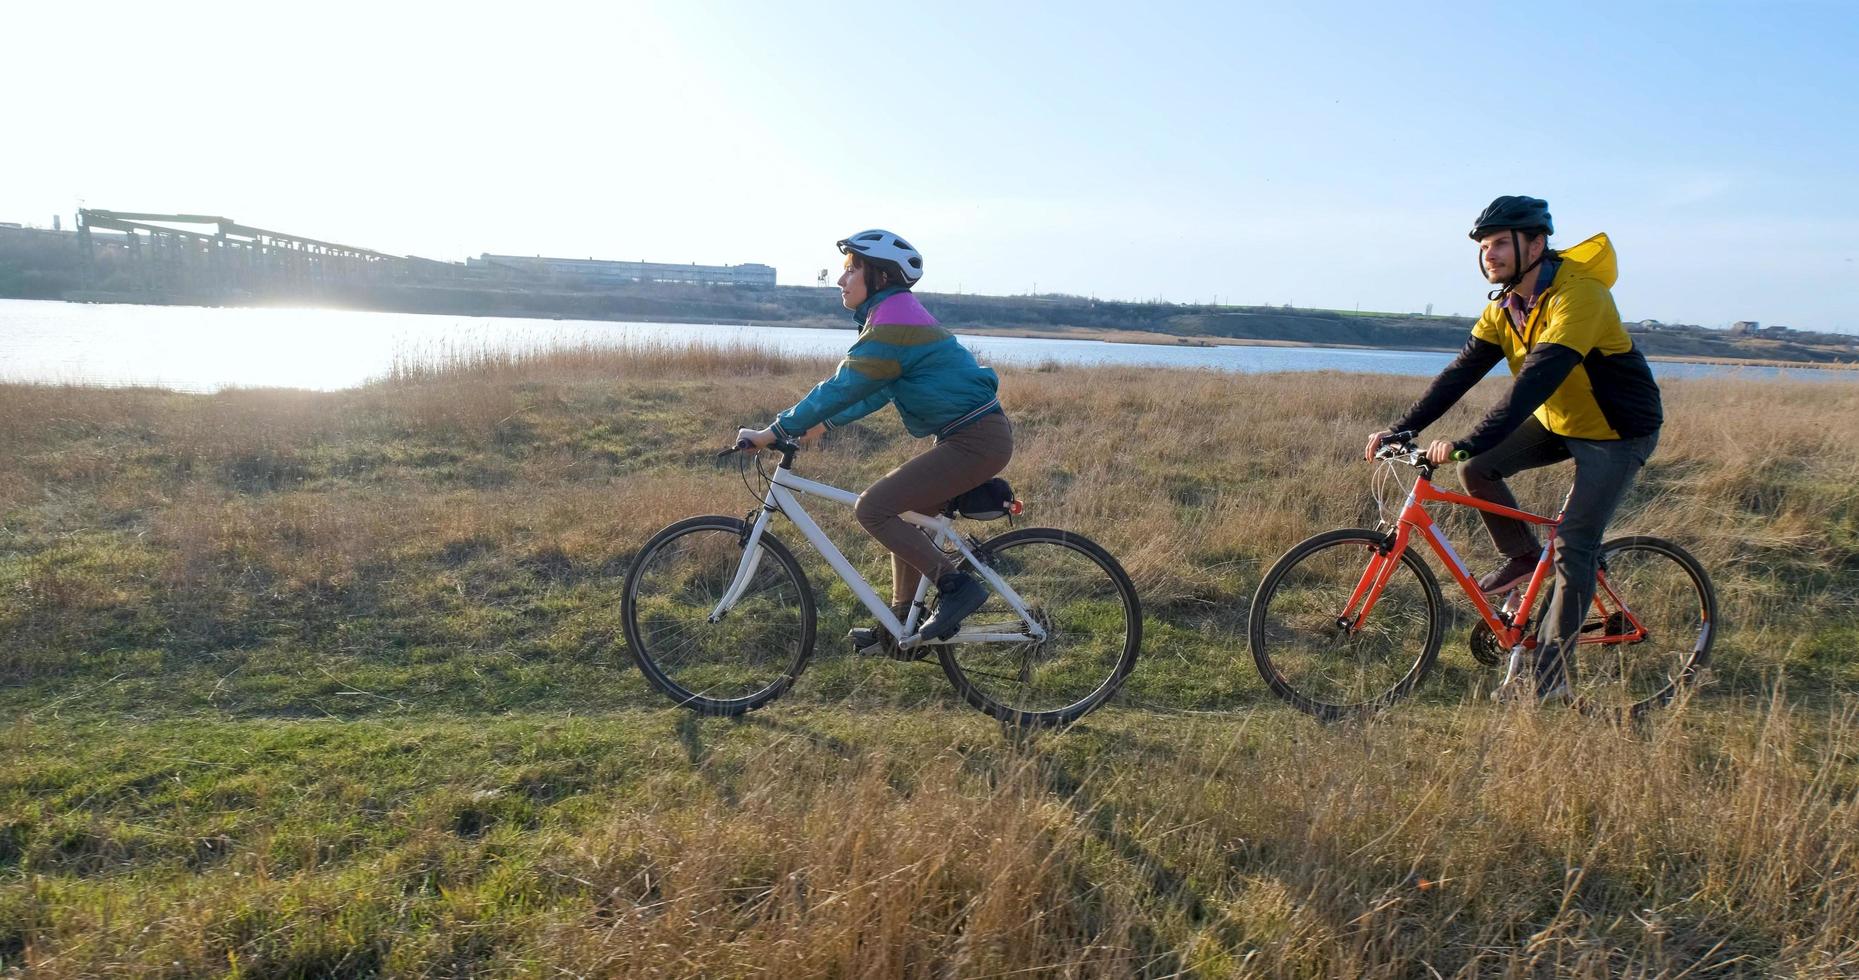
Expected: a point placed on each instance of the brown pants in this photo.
(957, 463)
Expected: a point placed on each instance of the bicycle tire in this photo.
(1083, 598)
(747, 659)
(1294, 632)
(1670, 594)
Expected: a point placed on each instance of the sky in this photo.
(1321, 154)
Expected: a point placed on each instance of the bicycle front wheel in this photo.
(1649, 632)
(1084, 602)
(717, 664)
(1312, 656)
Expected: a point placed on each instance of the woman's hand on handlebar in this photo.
(754, 440)
(1442, 452)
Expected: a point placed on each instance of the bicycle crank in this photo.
(1485, 646)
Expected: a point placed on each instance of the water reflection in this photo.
(203, 349)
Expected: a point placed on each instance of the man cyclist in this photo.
(1581, 391)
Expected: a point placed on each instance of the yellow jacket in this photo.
(1610, 393)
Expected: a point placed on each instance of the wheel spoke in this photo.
(1654, 584)
(743, 659)
(1092, 620)
(1311, 659)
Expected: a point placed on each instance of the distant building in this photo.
(595, 272)
(1741, 327)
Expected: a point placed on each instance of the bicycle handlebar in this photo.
(782, 446)
(1400, 447)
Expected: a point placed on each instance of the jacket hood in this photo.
(1591, 259)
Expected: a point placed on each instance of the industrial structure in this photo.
(603, 272)
(209, 255)
(209, 252)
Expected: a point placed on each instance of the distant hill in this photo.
(48, 265)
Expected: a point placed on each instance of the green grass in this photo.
(333, 685)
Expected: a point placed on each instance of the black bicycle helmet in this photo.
(1514, 213)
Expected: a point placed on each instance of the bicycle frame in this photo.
(784, 491)
(1512, 635)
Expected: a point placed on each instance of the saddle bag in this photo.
(990, 501)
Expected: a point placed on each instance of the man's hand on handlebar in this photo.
(1442, 452)
(1375, 442)
(1383, 438)
(1438, 453)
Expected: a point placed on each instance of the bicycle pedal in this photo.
(887, 649)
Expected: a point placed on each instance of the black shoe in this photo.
(957, 595)
(1514, 572)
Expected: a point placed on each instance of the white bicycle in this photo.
(720, 617)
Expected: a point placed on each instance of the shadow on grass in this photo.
(1026, 753)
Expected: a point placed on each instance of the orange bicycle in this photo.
(1347, 622)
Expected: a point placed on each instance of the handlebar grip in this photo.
(1460, 455)
(743, 445)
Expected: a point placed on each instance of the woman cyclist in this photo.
(901, 356)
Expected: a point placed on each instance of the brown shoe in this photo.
(1514, 573)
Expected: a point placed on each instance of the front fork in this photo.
(1374, 579)
(745, 570)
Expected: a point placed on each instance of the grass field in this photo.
(332, 684)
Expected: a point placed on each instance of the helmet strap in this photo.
(1510, 284)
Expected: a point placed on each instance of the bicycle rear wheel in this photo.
(1311, 658)
(753, 653)
(1650, 630)
(1085, 603)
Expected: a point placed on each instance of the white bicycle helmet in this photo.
(879, 245)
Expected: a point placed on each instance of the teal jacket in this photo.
(900, 356)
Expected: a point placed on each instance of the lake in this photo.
(192, 348)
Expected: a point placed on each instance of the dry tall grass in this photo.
(1195, 480)
(189, 583)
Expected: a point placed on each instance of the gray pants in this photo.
(1604, 469)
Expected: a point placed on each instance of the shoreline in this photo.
(1100, 334)
(1152, 339)
(1149, 339)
